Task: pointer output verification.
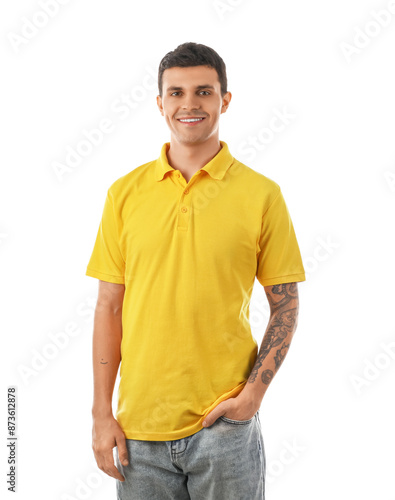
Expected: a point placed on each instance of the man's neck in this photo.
(189, 158)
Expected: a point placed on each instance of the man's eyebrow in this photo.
(207, 86)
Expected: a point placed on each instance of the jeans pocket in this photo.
(237, 422)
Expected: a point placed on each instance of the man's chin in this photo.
(189, 139)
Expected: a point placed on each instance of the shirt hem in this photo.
(182, 433)
(289, 278)
(104, 276)
(164, 436)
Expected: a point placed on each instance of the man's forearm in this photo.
(284, 307)
(106, 356)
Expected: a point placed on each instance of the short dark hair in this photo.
(193, 54)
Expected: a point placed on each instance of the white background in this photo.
(332, 401)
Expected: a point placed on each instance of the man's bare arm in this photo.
(106, 356)
(284, 308)
(106, 347)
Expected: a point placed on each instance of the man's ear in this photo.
(159, 103)
(226, 101)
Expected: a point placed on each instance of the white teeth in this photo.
(192, 120)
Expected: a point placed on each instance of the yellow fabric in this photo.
(188, 254)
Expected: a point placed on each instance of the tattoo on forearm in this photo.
(280, 355)
(282, 324)
(277, 332)
(267, 376)
(288, 291)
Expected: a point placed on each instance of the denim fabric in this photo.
(225, 461)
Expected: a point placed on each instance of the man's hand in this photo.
(106, 434)
(238, 408)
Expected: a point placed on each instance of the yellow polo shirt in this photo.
(188, 254)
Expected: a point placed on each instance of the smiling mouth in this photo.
(191, 121)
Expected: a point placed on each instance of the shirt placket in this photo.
(185, 203)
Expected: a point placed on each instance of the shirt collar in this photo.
(216, 167)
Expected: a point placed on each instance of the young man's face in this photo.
(192, 92)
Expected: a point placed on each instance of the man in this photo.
(180, 243)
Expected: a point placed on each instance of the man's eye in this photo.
(176, 92)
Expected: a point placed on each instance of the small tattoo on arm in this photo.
(103, 362)
(267, 376)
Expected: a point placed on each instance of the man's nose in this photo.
(190, 102)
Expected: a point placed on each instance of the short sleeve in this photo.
(278, 259)
(106, 262)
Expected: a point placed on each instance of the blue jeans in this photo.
(225, 461)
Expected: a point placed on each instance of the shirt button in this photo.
(184, 209)
(178, 174)
(186, 191)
